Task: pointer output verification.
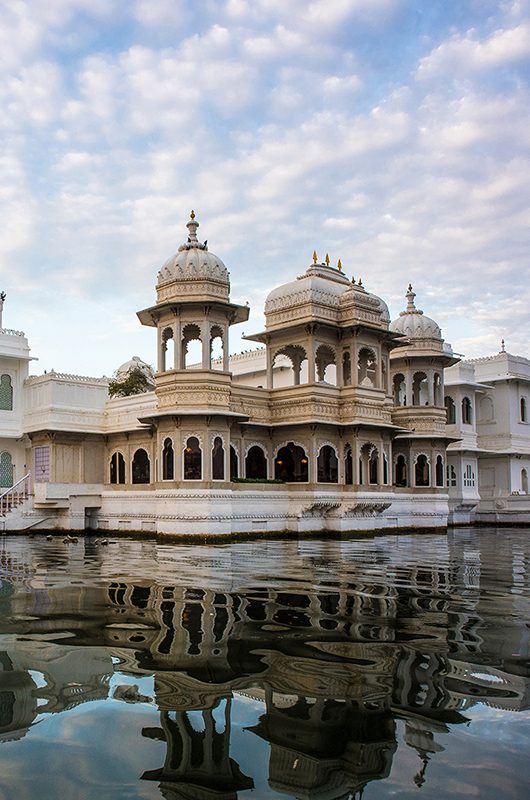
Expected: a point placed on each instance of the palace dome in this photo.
(321, 285)
(135, 363)
(413, 323)
(193, 271)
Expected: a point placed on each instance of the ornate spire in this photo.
(339, 265)
(411, 294)
(315, 257)
(503, 348)
(327, 259)
(193, 242)
(192, 227)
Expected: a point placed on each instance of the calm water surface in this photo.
(389, 667)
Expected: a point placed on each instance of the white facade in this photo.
(491, 460)
(340, 420)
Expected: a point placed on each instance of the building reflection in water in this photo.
(333, 671)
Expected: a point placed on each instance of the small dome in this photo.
(136, 363)
(359, 305)
(413, 323)
(195, 266)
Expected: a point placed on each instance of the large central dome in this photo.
(323, 293)
(193, 272)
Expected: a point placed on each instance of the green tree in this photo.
(135, 382)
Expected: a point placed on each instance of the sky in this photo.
(392, 134)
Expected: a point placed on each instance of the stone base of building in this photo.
(243, 510)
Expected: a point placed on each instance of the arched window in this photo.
(216, 347)
(218, 460)
(524, 410)
(422, 471)
(6, 393)
(192, 460)
(450, 410)
(366, 367)
(373, 467)
(117, 468)
(401, 471)
(325, 364)
(420, 389)
(291, 464)
(141, 471)
(524, 480)
(399, 390)
(191, 346)
(168, 461)
(467, 411)
(234, 463)
(469, 476)
(348, 466)
(256, 463)
(327, 465)
(298, 358)
(167, 345)
(439, 471)
(346, 368)
(6, 471)
(385, 469)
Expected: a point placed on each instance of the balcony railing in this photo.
(11, 498)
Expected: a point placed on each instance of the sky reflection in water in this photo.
(386, 667)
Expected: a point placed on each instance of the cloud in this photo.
(465, 54)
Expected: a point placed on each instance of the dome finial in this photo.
(327, 259)
(411, 294)
(339, 265)
(315, 257)
(192, 227)
(503, 348)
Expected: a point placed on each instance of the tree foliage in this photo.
(135, 382)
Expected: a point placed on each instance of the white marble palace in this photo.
(338, 420)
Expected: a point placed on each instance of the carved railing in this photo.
(15, 495)
(11, 332)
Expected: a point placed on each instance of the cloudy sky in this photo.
(393, 134)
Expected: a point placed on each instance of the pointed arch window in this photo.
(6, 470)
(218, 460)
(467, 411)
(168, 461)
(401, 471)
(141, 468)
(6, 393)
(327, 465)
(256, 463)
(117, 468)
(192, 460)
(422, 471)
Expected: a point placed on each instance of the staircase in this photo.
(12, 498)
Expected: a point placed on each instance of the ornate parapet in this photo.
(193, 389)
(421, 419)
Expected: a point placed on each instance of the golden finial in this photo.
(339, 265)
(315, 256)
(192, 215)
(327, 260)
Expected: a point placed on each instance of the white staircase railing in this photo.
(15, 495)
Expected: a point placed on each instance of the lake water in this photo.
(320, 669)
